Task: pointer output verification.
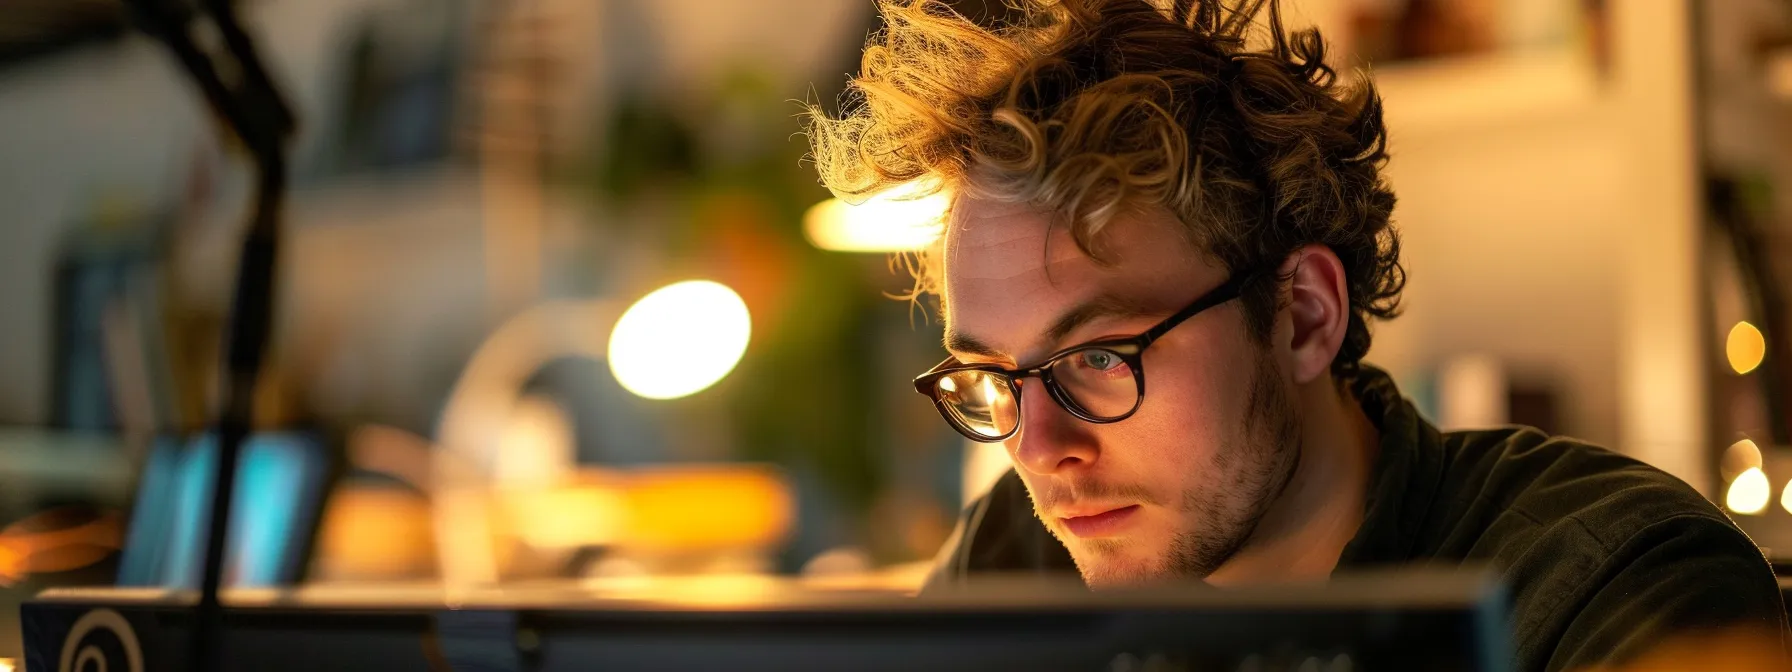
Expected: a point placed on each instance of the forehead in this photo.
(1009, 271)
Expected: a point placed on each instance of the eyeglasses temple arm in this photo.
(1221, 294)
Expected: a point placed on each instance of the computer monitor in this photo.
(1420, 620)
(279, 491)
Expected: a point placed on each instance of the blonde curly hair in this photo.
(1091, 107)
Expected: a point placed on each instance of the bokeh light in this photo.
(1745, 347)
(679, 339)
(1739, 457)
(901, 219)
(1748, 494)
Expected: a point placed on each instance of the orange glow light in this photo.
(1745, 348)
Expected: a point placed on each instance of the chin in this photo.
(1111, 564)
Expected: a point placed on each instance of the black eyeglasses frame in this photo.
(1130, 350)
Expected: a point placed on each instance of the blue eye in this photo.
(1100, 360)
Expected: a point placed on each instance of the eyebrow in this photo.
(1105, 305)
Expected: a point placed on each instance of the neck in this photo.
(1305, 530)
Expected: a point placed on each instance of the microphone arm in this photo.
(253, 110)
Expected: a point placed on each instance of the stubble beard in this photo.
(1218, 520)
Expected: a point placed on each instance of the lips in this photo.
(1103, 524)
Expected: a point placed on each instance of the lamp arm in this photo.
(473, 420)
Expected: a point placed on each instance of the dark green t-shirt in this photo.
(1604, 555)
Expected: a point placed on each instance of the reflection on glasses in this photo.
(1100, 382)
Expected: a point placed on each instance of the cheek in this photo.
(1195, 396)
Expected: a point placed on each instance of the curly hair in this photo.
(1091, 108)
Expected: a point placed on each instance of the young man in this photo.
(1157, 277)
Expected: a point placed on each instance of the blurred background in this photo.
(509, 216)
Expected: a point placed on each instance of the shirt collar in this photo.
(1407, 475)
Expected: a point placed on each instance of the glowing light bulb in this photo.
(1749, 493)
(1745, 347)
(904, 218)
(679, 339)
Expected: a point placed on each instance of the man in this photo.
(1157, 277)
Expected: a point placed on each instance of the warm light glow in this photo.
(1749, 493)
(1739, 457)
(537, 445)
(706, 507)
(1786, 497)
(948, 385)
(1745, 347)
(656, 509)
(38, 545)
(679, 339)
(900, 219)
(374, 533)
(567, 516)
(8, 664)
(715, 590)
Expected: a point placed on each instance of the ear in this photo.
(1318, 305)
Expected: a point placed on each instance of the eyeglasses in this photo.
(1100, 382)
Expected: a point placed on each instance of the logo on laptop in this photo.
(101, 640)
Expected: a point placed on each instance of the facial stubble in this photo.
(1218, 520)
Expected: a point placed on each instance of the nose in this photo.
(1050, 439)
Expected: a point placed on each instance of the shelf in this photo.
(1473, 92)
(39, 459)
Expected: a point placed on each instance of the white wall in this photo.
(1508, 232)
(1551, 220)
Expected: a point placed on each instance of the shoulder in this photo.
(1552, 481)
(1602, 552)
